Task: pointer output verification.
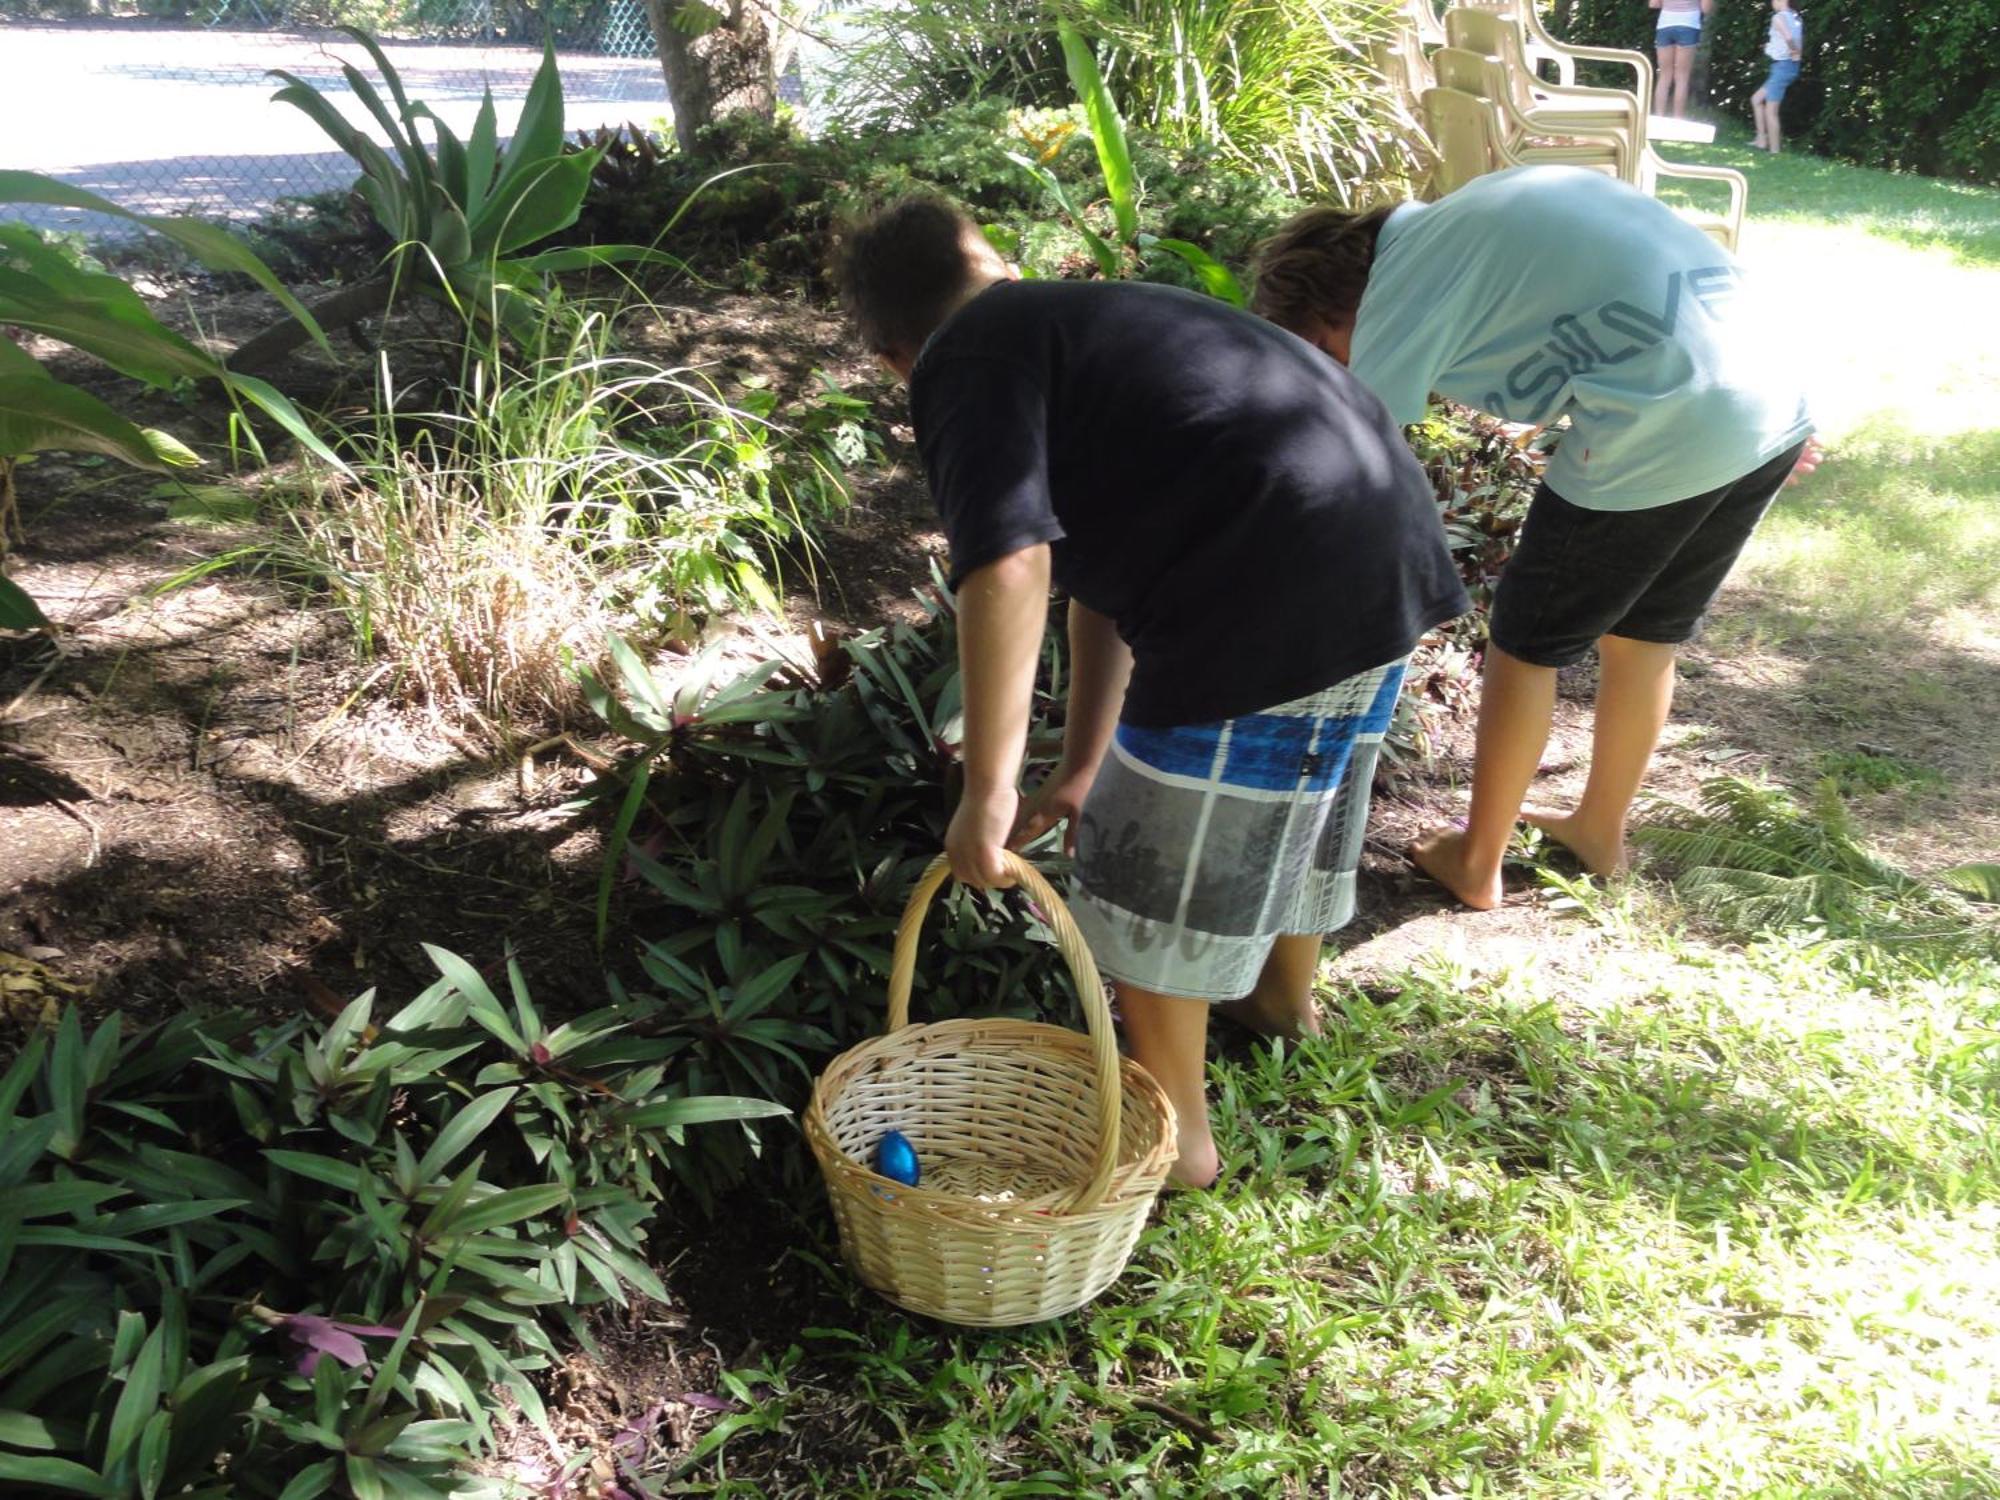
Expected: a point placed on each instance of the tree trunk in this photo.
(731, 67)
(349, 305)
(1560, 20)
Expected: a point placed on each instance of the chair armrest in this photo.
(1739, 187)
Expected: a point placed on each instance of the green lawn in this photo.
(1642, 1213)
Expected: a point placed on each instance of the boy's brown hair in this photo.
(900, 271)
(1316, 267)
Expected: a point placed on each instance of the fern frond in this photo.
(1752, 860)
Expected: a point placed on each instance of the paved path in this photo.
(166, 120)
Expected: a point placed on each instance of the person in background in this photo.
(1250, 553)
(1785, 46)
(1543, 293)
(1674, 41)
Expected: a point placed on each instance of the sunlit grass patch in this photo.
(1893, 528)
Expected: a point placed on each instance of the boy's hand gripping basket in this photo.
(1041, 1149)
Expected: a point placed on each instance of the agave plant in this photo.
(44, 291)
(460, 212)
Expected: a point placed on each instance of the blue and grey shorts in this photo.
(1198, 846)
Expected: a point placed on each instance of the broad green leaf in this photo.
(326, 1169)
(642, 689)
(312, 1481)
(17, 610)
(616, 844)
(212, 246)
(542, 200)
(279, 408)
(40, 1200)
(1107, 130)
(584, 257)
(47, 416)
(155, 1442)
(508, 1207)
(14, 360)
(538, 135)
(20, 1429)
(699, 1111)
(138, 1401)
(104, 317)
(363, 1478)
(55, 1474)
(481, 154)
(21, 1145)
(461, 1131)
(1216, 278)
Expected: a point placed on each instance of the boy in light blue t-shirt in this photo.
(1548, 292)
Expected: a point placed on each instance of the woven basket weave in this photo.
(1042, 1150)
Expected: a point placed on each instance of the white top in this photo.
(1788, 36)
(1678, 15)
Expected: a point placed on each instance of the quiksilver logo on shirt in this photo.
(1608, 335)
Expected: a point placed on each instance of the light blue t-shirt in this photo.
(1543, 292)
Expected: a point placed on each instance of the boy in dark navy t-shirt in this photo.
(1250, 555)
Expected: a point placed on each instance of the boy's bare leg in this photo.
(1169, 1039)
(1517, 704)
(1757, 118)
(1282, 1002)
(1774, 135)
(1635, 690)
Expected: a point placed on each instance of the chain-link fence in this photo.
(173, 113)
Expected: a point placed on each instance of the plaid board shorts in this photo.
(1198, 846)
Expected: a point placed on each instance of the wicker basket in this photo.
(1042, 1149)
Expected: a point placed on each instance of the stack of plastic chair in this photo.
(1404, 68)
(1420, 20)
(1602, 140)
(1529, 121)
(1543, 47)
(1477, 128)
(1536, 110)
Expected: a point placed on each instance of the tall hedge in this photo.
(1911, 84)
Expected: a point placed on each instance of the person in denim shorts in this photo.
(1555, 293)
(1674, 40)
(1786, 45)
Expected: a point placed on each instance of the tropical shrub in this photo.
(1911, 87)
(771, 222)
(774, 824)
(304, 1259)
(46, 290)
(1280, 87)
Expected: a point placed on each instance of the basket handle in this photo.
(1089, 989)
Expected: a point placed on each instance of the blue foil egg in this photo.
(896, 1158)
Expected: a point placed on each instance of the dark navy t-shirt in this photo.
(1239, 505)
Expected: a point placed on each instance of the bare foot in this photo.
(1440, 854)
(1198, 1166)
(1272, 1019)
(1601, 857)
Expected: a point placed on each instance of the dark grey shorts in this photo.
(1647, 575)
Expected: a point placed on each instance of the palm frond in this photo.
(1752, 860)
